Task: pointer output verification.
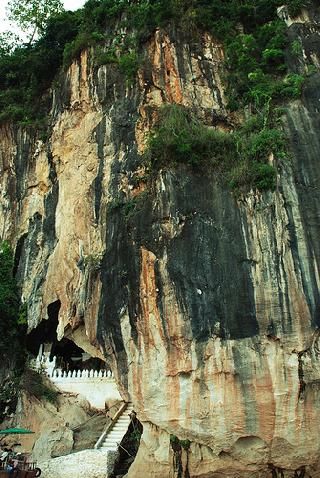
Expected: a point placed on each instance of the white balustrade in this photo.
(57, 374)
(96, 386)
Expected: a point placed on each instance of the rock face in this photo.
(91, 463)
(52, 424)
(206, 305)
(53, 443)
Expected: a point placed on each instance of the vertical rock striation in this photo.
(206, 305)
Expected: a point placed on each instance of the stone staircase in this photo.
(111, 438)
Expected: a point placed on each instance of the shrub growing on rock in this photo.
(240, 157)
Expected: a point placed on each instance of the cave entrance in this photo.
(42, 342)
(46, 331)
(71, 357)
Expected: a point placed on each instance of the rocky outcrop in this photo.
(52, 424)
(207, 305)
(91, 463)
(53, 443)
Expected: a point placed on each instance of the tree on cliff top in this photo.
(32, 16)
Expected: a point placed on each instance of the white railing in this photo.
(80, 374)
(49, 367)
(110, 425)
(95, 386)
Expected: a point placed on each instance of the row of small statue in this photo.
(58, 373)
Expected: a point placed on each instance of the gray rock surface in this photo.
(53, 443)
(84, 464)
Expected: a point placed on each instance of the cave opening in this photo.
(70, 356)
(43, 342)
(46, 331)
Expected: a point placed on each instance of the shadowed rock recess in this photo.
(205, 302)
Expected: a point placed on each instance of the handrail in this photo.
(88, 420)
(111, 424)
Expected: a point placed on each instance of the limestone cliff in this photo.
(205, 304)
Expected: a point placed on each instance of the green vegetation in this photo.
(176, 443)
(12, 331)
(38, 386)
(93, 262)
(13, 318)
(180, 138)
(239, 157)
(129, 206)
(295, 6)
(255, 52)
(31, 16)
(257, 79)
(128, 65)
(27, 73)
(10, 312)
(8, 396)
(105, 57)
(9, 300)
(12, 342)
(296, 48)
(257, 72)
